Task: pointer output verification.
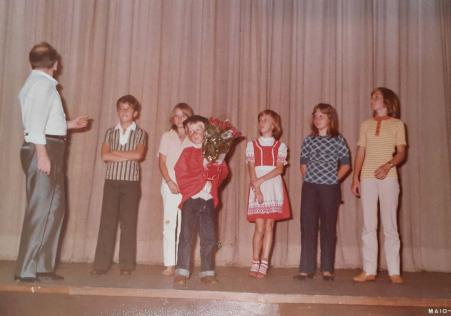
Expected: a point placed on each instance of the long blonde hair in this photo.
(185, 108)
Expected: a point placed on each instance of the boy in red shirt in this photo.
(198, 182)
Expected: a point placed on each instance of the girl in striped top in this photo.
(381, 147)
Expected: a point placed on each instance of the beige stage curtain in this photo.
(232, 59)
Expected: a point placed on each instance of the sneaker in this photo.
(180, 280)
(209, 280)
(363, 277)
(396, 279)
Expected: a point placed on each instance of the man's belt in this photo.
(58, 137)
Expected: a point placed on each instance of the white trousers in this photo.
(171, 224)
(387, 192)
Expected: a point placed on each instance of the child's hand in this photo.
(257, 183)
(259, 195)
(173, 187)
(355, 187)
(382, 171)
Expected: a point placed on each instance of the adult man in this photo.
(42, 157)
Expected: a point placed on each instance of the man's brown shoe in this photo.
(396, 279)
(363, 277)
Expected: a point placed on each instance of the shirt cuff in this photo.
(35, 139)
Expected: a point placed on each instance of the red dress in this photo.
(275, 204)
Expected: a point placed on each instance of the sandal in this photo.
(254, 268)
(263, 269)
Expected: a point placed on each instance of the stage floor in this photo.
(423, 290)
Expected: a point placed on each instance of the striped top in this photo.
(380, 138)
(124, 170)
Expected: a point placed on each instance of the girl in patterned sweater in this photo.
(324, 163)
(268, 199)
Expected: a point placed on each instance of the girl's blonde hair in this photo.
(391, 101)
(331, 113)
(277, 130)
(185, 108)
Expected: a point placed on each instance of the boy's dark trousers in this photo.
(319, 202)
(198, 215)
(120, 205)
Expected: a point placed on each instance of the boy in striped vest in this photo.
(123, 148)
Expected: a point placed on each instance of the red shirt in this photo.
(191, 175)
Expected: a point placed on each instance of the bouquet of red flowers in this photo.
(219, 137)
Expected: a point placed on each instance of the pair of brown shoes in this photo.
(363, 277)
(181, 280)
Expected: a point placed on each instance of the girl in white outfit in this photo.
(171, 145)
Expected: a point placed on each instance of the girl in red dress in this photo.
(268, 199)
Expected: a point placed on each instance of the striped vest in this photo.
(124, 170)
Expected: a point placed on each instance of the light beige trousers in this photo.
(385, 191)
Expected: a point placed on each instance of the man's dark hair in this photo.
(43, 55)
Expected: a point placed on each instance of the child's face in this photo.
(377, 101)
(179, 118)
(265, 125)
(321, 120)
(126, 113)
(196, 132)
